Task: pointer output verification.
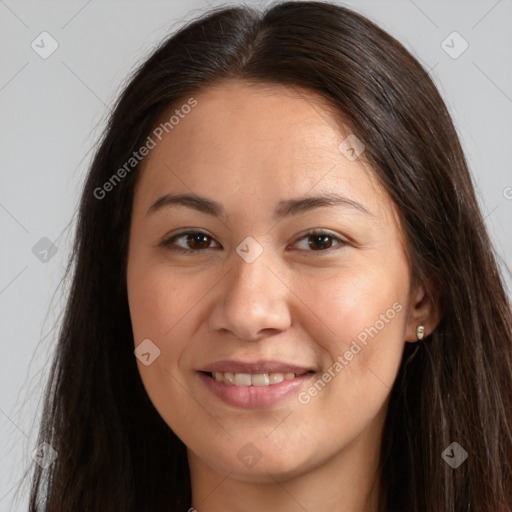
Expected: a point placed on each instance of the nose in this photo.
(252, 301)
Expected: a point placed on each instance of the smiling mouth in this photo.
(253, 379)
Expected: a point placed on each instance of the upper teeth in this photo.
(257, 379)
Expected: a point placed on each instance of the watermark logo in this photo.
(249, 455)
(146, 352)
(44, 455)
(454, 45)
(44, 250)
(454, 455)
(44, 45)
(249, 249)
(351, 147)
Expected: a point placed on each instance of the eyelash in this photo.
(314, 232)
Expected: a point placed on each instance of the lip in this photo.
(260, 366)
(251, 397)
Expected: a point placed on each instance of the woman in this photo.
(284, 296)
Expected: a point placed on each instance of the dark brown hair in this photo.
(115, 453)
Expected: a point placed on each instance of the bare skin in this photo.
(304, 300)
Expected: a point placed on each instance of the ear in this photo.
(425, 309)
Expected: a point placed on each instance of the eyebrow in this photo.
(285, 208)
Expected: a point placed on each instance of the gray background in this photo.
(52, 111)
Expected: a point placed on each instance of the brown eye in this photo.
(190, 241)
(319, 241)
(197, 241)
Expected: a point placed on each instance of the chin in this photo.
(266, 465)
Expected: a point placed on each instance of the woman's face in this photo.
(257, 298)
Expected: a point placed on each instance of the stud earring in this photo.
(420, 332)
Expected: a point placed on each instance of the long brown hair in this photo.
(115, 453)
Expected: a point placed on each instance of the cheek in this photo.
(360, 322)
(159, 298)
(157, 302)
(161, 308)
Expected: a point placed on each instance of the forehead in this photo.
(268, 141)
(236, 120)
